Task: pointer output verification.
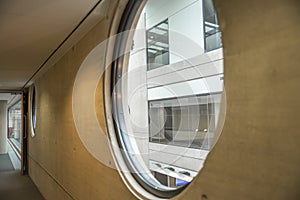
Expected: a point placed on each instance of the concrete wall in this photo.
(257, 156)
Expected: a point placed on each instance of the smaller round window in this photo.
(33, 111)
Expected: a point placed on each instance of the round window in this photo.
(165, 86)
(33, 111)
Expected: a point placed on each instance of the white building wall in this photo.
(159, 10)
(136, 78)
(200, 75)
(187, 158)
(185, 35)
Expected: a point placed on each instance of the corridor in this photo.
(13, 185)
(149, 100)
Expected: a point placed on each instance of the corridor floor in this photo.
(14, 186)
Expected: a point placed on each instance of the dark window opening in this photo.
(212, 33)
(190, 125)
(158, 45)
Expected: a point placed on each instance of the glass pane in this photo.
(158, 45)
(211, 27)
(15, 125)
(33, 110)
(171, 125)
(186, 126)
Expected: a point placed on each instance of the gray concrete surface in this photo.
(13, 185)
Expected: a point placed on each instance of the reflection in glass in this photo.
(15, 125)
(33, 110)
(189, 125)
(158, 45)
(211, 27)
(167, 102)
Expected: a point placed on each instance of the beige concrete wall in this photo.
(59, 164)
(257, 156)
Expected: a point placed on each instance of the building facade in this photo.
(174, 85)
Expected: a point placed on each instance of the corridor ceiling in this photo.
(30, 31)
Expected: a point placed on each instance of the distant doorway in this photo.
(17, 131)
(14, 132)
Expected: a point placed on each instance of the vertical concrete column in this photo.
(3, 127)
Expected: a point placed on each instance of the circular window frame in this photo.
(33, 111)
(137, 183)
